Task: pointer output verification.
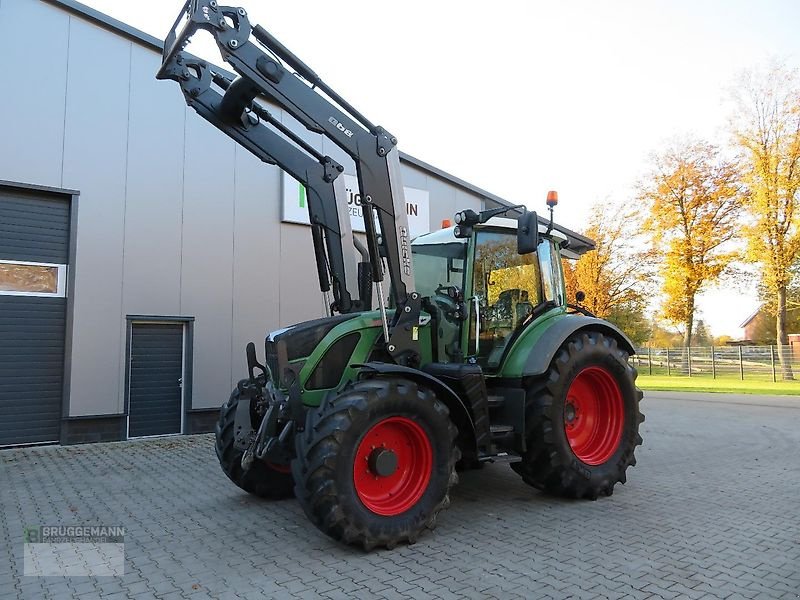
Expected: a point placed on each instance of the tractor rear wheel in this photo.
(375, 463)
(261, 479)
(582, 420)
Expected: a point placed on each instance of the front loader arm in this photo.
(235, 114)
(372, 148)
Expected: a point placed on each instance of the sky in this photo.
(521, 97)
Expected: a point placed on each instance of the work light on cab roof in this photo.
(552, 201)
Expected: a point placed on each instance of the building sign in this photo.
(295, 209)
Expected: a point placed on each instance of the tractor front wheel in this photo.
(261, 479)
(375, 463)
(582, 420)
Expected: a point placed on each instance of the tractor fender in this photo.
(459, 413)
(534, 350)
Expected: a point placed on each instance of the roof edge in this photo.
(110, 23)
(749, 319)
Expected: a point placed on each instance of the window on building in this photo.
(19, 278)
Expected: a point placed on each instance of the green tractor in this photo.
(367, 415)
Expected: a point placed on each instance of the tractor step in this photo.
(501, 457)
(496, 401)
(501, 430)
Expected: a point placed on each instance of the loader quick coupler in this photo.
(273, 439)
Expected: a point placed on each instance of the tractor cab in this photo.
(481, 292)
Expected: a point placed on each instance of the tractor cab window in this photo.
(550, 283)
(439, 259)
(508, 287)
(439, 271)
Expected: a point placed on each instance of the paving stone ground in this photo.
(711, 511)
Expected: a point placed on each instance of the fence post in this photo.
(741, 364)
(713, 364)
(772, 358)
(689, 359)
(669, 372)
(650, 360)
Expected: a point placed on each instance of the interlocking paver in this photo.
(710, 512)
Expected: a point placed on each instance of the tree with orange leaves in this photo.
(613, 275)
(694, 199)
(766, 128)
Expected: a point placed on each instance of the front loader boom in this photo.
(236, 115)
(263, 74)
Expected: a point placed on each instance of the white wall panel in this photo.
(412, 177)
(95, 151)
(207, 256)
(154, 200)
(300, 298)
(442, 201)
(32, 108)
(466, 200)
(256, 248)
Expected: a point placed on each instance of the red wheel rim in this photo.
(594, 416)
(398, 442)
(279, 468)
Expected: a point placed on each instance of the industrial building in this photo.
(140, 248)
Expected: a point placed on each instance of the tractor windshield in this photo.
(509, 286)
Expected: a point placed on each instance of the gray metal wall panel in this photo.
(33, 36)
(466, 200)
(300, 299)
(31, 368)
(154, 198)
(256, 244)
(442, 199)
(33, 227)
(413, 177)
(206, 272)
(95, 148)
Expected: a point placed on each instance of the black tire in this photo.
(260, 479)
(550, 462)
(325, 467)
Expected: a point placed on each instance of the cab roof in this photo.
(577, 243)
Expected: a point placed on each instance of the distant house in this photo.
(761, 324)
(751, 324)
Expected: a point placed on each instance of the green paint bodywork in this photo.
(514, 362)
(368, 324)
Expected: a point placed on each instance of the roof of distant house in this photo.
(747, 321)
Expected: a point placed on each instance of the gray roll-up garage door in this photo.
(34, 248)
(155, 395)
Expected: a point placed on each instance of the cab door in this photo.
(507, 291)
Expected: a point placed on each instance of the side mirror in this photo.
(527, 233)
